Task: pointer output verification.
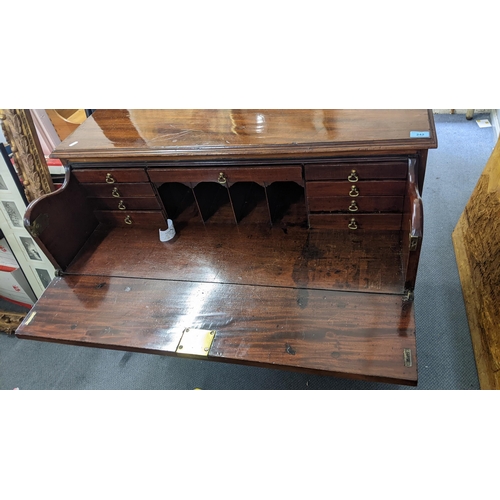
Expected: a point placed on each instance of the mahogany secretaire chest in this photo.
(297, 237)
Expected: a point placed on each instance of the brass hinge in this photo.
(408, 296)
(413, 242)
(407, 358)
(38, 225)
(195, 342)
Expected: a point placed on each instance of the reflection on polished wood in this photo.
(184, 134)
(285, 256)
(316, 331)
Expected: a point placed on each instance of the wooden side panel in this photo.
(413, 227)
(338, 333)
(67, 221)
(477, 247)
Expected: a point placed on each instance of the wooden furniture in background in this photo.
(297, 245)
(476, 239)
(9, 321)
(19, 131)
(66, 121)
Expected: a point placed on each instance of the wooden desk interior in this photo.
(269, 263)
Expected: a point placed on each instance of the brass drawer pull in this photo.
(109, 179)
(353, 207)
(222, 178)
(128, 220)
(354, 192)
(115, 193)
(352, 224)
(353, 176)
(121, 205)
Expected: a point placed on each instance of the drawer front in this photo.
(111, 175)
(356, 205)
(128, 218)
(125, 203)
(362, 171)
(228, 175)
(324, 189)
(139, 190)
(354, 222)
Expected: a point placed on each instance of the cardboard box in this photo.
(13, 284)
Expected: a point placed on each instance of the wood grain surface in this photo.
(109, 135)
(476, 239)
(413, 226)
(249, 254)
(338, 333)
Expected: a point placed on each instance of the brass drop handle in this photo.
(109, 179)
(222, 178)
(121, 205)
(354, 192)
(352, 224)
(353, 207)
(128, 220)
(115, 193)
(353, 176)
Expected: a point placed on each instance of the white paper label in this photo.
(169, 233)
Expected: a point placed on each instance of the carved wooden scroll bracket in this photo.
(19, 130)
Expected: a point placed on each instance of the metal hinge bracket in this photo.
(413, 242)
(408, 296)
(407, 358)
(195, 342)
(39, 225)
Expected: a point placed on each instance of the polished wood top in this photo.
(349, 334)
(132, 134)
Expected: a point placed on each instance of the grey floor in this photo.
(445, 356)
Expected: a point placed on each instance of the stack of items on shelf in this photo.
(13, 284)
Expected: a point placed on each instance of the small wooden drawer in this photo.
(349, 171)
(362, 204)
(123, 204)
(111, 175)
(131, 218)
(354, 222)
(132, 190)
(227, 175)
(325, 189)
